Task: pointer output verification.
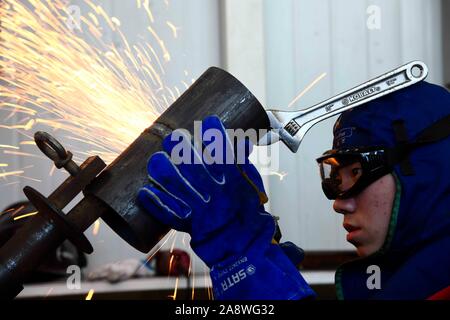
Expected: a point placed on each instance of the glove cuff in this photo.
(261, 274)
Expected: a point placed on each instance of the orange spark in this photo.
(8, 146)
(29, 178)
(25, 154)
(11, 173)
(173, 28)
(10, 183)
(148, 11)
(281, 175)
(16, 210)
(210, 295)
(191, 266)
(174, 295)
(30, 142)
(48, 292)
(25, 215)
(52, 170)
(96, 227)
(308, 87)
(115, 21)
(205, 271)
(169, 235)
(170, 264)
(89, 295)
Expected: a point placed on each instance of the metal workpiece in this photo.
(216, 92)
(291, 126)
(110, 191)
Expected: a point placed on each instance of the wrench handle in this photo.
(295, 124)
(394, 80)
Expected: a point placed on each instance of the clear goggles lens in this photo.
(340, 175)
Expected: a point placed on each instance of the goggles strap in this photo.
(437, 131)
(401, 139)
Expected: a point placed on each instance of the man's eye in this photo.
(356, 171)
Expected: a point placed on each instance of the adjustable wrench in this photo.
(291, 126)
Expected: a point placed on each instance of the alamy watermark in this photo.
(73, 281)
(373, 17)
(73, 21)
(374, 280)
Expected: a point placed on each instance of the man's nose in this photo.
(344, 205)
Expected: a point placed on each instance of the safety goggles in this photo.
(345, 173)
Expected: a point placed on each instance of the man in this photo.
(388, 173)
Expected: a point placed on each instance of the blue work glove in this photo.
(220, 205)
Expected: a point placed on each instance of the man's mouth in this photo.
(353, 232)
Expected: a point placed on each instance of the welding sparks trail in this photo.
(54, 77)
(174, 295)
(280, 175)
(308, 87)
(96, 227)
(173, 28)
(75, 80)
(49, 292)
(207, 285)
(25, 215)
(11, 173)
(170, 265)
(155, 250)
(90, 295)
(190, 273)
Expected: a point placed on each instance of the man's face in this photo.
(367, 215)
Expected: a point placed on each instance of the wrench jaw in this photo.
(283, 128)
(287, 128)
(293, 141)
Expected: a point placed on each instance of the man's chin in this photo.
(363, 250)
